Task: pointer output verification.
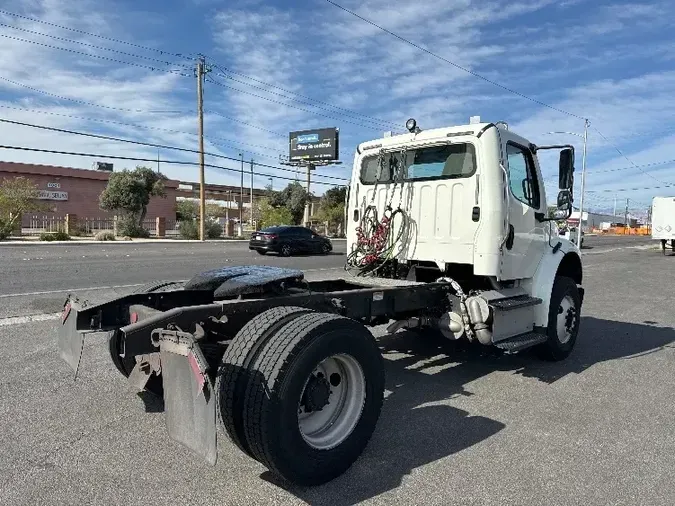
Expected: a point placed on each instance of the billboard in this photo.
(320, 144)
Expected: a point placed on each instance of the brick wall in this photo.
(83, 188)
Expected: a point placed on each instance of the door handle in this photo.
(511, 237)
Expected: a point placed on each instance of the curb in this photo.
(112, 243)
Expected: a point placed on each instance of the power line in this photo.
(456, 65)
(121, 123)
(366, 118)
(618, 169)
(147, 144)
(667, 185)
(628, 159)
(653, 164)
(100, 57)
(111, 39)
(211, 80)
(279, 134)
(83, 102)
(352, 114)
(153, 160)
(94, 46)
(122, 109)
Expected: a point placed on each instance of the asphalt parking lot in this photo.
(459, 425)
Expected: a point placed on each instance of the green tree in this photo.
(332, 206)
(187, 210)
(17, 196)
(130, 192)
(271, 215)
(293, 198)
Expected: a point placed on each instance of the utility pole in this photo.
(250, 197)
(626, 217)
(310, 168)
(201, 71)
(583, 182)
(240, 230)
(614, 205)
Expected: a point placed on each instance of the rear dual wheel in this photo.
(301, 392)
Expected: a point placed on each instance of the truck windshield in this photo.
(427, 163)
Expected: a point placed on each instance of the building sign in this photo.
(314, 145)
(51, 195)
(53, 185)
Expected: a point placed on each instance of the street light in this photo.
(583, 174)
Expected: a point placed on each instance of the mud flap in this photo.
(70, 340)
(189, 399)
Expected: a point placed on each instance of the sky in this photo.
(126, 69)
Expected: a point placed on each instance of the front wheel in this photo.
(564, 317)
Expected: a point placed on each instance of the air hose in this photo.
(376, 240)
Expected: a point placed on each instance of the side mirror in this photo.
(564, 207)
(566, 169)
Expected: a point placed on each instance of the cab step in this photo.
(521, 342)
(512, 303)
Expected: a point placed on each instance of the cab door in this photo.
(527, 239)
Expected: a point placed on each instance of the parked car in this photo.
(289, 240)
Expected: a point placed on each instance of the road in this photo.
(45, 273)
(459, 426)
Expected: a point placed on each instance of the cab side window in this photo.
(522, 175)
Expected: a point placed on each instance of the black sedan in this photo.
(289, 240)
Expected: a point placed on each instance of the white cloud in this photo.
(610, 63)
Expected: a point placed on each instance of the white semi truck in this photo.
(663, 221)
(448, 232)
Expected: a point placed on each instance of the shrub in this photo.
(105, 235)
(5, 230)
(128, 226)
(188, 229)
(54, 236)
(213, 230)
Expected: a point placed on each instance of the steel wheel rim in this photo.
(325, 248)
(566, 320)
(331, 426)
(286, 250)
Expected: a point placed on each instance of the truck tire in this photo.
(315, 397)
(564, 317)
(234, 372)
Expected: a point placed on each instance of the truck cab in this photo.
(466, 202)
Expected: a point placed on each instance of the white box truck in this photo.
(663, 221)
